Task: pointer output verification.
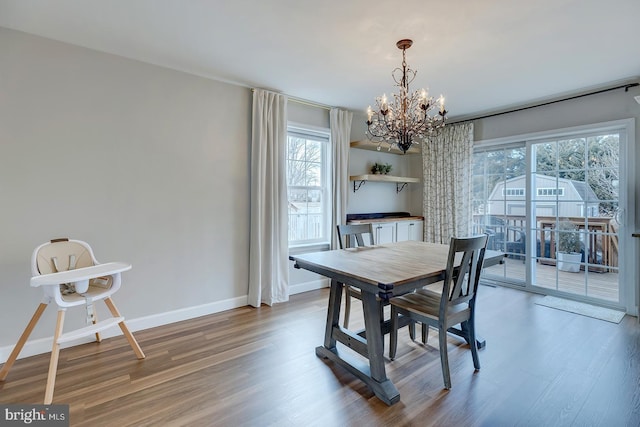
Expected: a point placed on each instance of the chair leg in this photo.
(393, 336)
(444, 356)
(53, 362)
(472, 343)
(425, 333)
(123, 327)
(347, 306)
(23, 339)
(412, 330)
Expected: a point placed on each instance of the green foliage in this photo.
(381, 168)
(568, 237)
(593, 159)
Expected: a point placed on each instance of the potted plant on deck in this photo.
(569, 247)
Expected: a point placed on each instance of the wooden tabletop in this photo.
(391, 264)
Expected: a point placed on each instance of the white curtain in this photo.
(446, 164)
(268, 251)
(340, 123)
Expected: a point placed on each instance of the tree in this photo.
(303, 161)
(594, 160)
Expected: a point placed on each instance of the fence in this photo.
(305, 227)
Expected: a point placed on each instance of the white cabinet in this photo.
(408, 230)
(397, 231)
(385, 232)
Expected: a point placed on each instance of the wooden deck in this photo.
(595, 285)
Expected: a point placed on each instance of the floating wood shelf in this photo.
(358, 180)
(365, 144)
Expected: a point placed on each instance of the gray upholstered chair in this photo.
(454, 305)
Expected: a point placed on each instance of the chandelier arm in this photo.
(406, 117)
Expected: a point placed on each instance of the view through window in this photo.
(307, 186)
(555, 203)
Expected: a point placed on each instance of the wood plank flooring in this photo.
(257, 367)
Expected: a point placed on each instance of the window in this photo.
(550, 191)
(567, 175)
(308, 186)
(513, 191)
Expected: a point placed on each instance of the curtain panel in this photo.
(269, 246)
(447, 169)
(340, 123)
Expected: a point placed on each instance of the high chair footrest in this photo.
(89, 330)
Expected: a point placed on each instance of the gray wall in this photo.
(381, 196)
(605, 107)
(148, 165)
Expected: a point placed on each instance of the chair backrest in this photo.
(351, 235)
(61, 255)
(464, 266)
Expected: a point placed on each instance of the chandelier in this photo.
(406, 118)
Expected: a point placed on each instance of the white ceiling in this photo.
(483, 55)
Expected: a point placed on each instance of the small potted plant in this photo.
(377, 168)
(569, 247)
(387, 168)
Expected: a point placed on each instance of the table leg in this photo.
(371, 347)
(333, 314)
(381, 385)
(374, 336)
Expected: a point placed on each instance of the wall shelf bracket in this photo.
(399, 187)
(359, 184)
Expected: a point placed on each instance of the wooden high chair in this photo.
(70, 276)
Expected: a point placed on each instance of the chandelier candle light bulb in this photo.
(406, 120)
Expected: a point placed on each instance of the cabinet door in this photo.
(415, 230)
(385, 232)
(408, 230)
(402, 231)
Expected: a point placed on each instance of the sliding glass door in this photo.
(556, 206)
(575, 204)
(499, 206)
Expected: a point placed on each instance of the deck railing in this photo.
(507, 233)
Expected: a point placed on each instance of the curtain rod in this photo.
(304, 101)
(626, 88)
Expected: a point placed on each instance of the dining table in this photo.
(380, 272)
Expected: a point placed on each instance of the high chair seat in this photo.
(96, 290)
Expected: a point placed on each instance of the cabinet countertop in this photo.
(404, 218)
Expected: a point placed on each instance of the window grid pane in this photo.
(306, 185)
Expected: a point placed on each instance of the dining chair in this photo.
(351, 236)
(70, 276)
(454, 305)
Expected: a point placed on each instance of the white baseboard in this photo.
(309, 286)
(43, 345)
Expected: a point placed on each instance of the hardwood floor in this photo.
(257, 367)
